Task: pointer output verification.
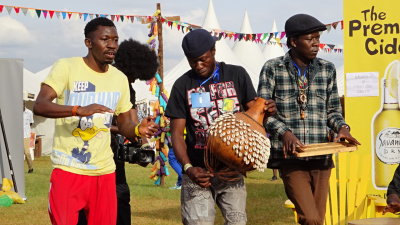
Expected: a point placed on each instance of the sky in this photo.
(40, 42)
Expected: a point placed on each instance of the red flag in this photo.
(16, 9)
(51, 14)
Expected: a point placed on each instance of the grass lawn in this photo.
(152, 205)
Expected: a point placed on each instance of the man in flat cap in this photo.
(305, 91)
(197, 98)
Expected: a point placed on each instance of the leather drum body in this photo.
(239, 140)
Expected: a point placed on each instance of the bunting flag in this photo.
(45, 13)
(184, 27)
(264, 38)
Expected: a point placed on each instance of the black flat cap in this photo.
(197, 42)
(300, 24)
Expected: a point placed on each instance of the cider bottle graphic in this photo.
(386, 128)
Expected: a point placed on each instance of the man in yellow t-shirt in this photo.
(88, 92)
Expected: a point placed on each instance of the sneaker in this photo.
(30, 170)
(176, 187)
(274, 178)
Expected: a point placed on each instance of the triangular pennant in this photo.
(276, 34)
(75, 16)
(38, 12)
(32, 12)
(132, 19)
(1, 8)
(9, 9)
(24, 11)
(259, 36)
(122, 18)
(69, 15)
(97, 15)
(328, 27)
(45, 13)
(334, 25)
(248, 37)
(117, 16)
(80, 15)
(241, 36)
(321, 46)
(58, 14)
(64, 15)
(178, 26)
(283, 34)
(112, 17)
(270, 36)
(253, 37)
(264, 36)
(16, 9)
(331, 46)
(236, 36)
(85, 16)
(220, 35)
(51, 14)
(91, 16)
(341, 24)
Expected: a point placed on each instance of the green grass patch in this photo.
(152, 205)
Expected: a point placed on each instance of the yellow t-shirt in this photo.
(82, 144)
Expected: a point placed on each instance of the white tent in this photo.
(249, 52)
(223, 51)
(272, 48)
(41, 126)
(28, 79)
(32, 81)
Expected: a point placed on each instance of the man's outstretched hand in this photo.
(148, 127)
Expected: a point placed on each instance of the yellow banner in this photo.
(372, 68)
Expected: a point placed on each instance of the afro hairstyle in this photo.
(136, 60)
(94, 23)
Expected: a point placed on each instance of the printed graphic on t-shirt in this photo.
(203, 117)
(89, 127)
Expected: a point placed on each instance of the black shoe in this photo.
(274, 178)
(30, 171)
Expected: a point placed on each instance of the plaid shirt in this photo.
(278, 81)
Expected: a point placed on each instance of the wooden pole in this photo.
(160, 48)
(160, 69)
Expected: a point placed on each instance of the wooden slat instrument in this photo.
(324, 149)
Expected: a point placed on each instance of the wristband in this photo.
(137, 133)
(187, 166)
(346, 126)
(74, 110)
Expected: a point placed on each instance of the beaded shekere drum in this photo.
(239, 140)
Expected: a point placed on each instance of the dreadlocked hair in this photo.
(136, 60)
